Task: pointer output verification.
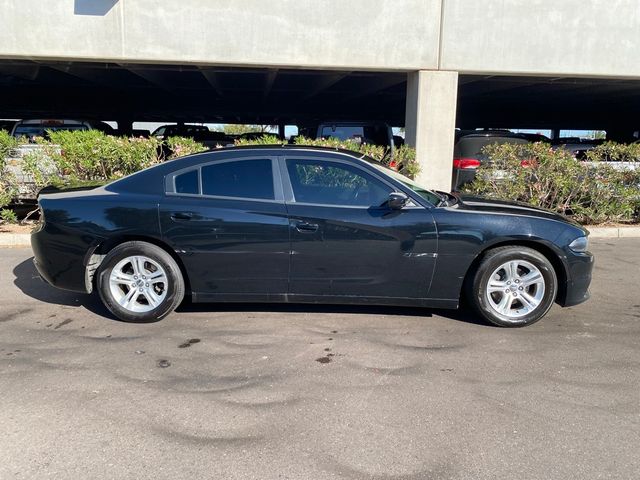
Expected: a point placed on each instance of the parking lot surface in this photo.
(309, 392)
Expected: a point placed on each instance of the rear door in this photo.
(345, 242)
(228, 222)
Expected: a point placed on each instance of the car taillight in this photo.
(465, 163)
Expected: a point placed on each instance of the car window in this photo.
(242, 178)
(342, 132)
(375, 134)
(329, 183)
(187, 182)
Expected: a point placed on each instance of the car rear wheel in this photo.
(514, 286)
(140, 282)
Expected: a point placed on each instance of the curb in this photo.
(15, 239)
(24, 239)
(614, 232)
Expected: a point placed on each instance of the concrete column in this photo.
(430, 122)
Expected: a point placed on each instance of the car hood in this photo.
(507, 207)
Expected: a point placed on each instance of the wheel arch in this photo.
(550, 254)
(110, 243)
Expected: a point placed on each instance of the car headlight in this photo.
(579, 245)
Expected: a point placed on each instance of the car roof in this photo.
(285, 147)
(133, 183)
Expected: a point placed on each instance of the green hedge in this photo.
(8, 184)
(590, 192)
(402, 160)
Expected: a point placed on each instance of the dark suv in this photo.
(467, 151)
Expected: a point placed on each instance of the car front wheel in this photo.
(140, 282)
(514, 286)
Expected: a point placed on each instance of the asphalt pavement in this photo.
(319, 392)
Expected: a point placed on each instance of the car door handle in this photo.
(181, 216)
(305, 227)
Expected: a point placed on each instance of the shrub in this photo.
(42, 169)
(615, 152)
(403, 159)
(553, 179)
(266, 139)
(8, 216)
(7, 143)
(8, 184)
(92, 155)
(181, 146)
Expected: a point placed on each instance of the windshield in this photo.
(428, 195)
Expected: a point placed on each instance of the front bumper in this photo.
(576, 289)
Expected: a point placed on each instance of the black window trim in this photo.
(288, 188)
(170, 180)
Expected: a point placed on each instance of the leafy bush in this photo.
(8, 184)
(553, 179)
(92, 155)
(615, 152)
(7, 188)
(70, 159)
(8, 216)
(403, 159)
(181, 146)
(265, 139)
(7, 143)
(42, 169)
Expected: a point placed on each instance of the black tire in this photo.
(174, 285)
(494, 259)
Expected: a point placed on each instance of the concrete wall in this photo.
(550, 37)
(559, 37)
(359, 34)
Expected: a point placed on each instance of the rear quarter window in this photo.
(188, 183)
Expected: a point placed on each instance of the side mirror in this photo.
(397, 200)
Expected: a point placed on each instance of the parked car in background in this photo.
(223, 226)
(200, 133)
(534, 137)
(31, 129)
(7, 125)
(468, 154)
(577, 146)
(140, 132)
(254, 135)
(374, 133)
(179, 130)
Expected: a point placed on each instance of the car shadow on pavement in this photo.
(461, 315)
(29, 282)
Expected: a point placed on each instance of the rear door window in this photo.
(241, 179)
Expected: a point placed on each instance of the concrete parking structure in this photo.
(428, 65)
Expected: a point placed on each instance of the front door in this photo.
(345, 242)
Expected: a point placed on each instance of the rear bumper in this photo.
(578, 279)
(60, 259)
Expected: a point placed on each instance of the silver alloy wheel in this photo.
(138, 284)
(515, 289)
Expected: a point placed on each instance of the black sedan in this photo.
(301, 224)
